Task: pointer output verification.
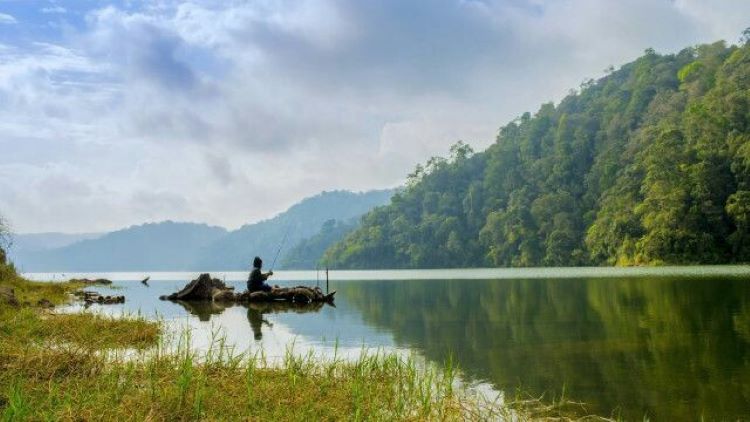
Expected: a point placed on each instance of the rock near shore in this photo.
(202, 288)
(90, 298)
(8, 297)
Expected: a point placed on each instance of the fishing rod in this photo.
(281, 244)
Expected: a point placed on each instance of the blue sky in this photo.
(119, 113)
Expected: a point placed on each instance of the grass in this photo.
(32, 291)
(92, 367)
(73, 382)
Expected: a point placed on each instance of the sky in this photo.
(228, 112)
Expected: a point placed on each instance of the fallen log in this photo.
(205, 288)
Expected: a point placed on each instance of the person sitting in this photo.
(257, 280)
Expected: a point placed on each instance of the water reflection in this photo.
(256, 320)
(203, 310)
(255, 311)
(666, 348)
(669, 349)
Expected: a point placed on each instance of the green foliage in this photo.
(648, 165)
(745, 38)
(688, 70)
(738, 209)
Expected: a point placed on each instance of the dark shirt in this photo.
(256, 281)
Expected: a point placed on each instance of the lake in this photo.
(663, 343)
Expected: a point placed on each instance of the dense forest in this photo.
(648, 165)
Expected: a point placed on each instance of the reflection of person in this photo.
(256, 320)
(257, 280)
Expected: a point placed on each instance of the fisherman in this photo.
(257, 280)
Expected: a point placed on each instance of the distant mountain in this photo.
(148, 247)
(170, 246)
(44, 241)
(308, 252)
(301, 221)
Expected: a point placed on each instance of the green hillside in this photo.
(648, 165)
(302, 220)
(307, 253)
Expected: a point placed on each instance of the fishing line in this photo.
(283, 241)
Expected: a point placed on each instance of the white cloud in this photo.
(54, 9)
(720, 19)
(7, 19)
(202, 110)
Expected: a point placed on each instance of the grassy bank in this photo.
(71, 367)
(56, 366)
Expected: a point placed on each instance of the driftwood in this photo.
(90, 298)
(205, 288)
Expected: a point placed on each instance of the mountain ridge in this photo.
(174, 246)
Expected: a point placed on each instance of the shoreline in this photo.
(71, 365)
(425, 274)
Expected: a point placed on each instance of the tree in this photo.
(738, 209)
(5, 240)
(745, 37)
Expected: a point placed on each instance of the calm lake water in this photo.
(666, 343)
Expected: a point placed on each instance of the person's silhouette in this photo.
(257, 280)
(256, 320)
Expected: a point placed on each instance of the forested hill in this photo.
(648, 165)
(301, 221)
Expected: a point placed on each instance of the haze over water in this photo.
(667, 343)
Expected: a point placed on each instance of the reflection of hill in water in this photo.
(669, 349)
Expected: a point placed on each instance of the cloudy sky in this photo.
(226, 112)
